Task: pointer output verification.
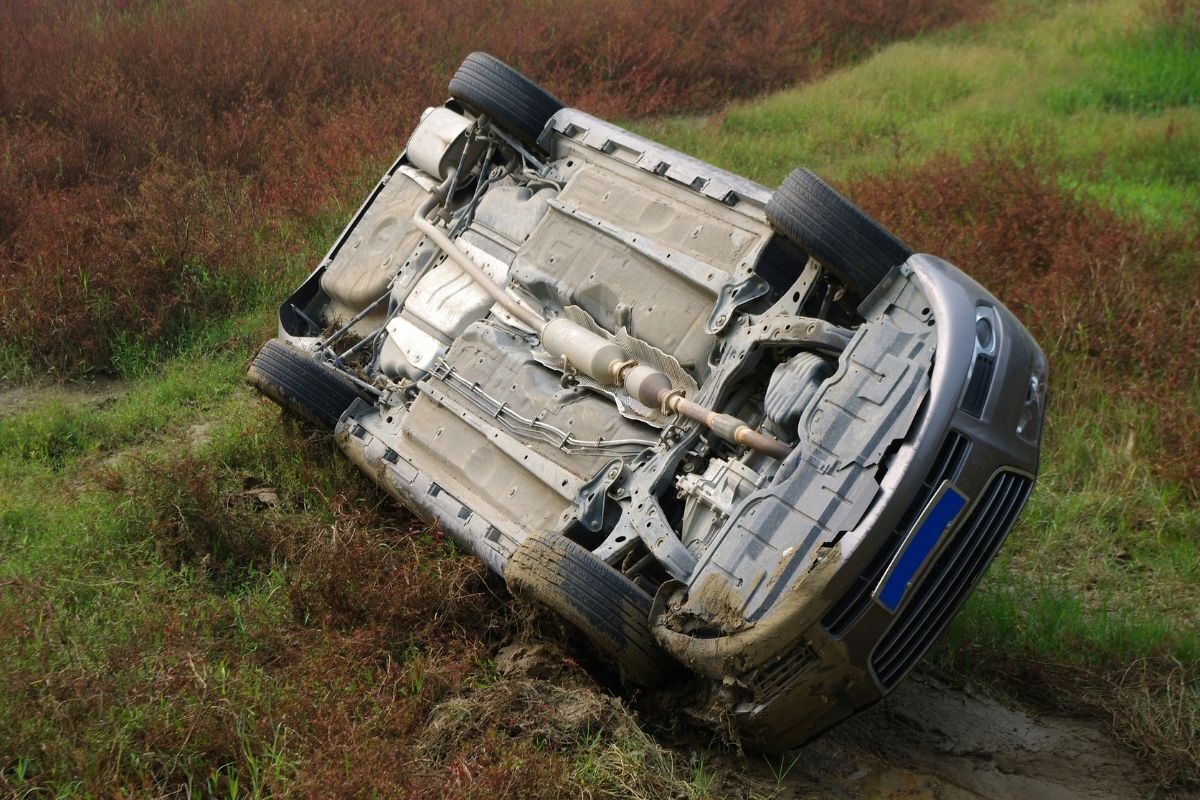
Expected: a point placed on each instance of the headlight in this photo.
(1029, 424)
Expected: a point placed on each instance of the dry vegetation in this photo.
(1108, 297)
(159, 163)
(272, 647)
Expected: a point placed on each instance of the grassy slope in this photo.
(1122, 110)
(98, 551)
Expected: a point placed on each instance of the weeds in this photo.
(1100, 292)
(253, 622)
(626, 763)
(702, 778)
(1147, 71)
(157, 162)
(784, 767)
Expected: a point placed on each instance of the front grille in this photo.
(933, 604)
(846, 611)
(775, 678)
(978, 384)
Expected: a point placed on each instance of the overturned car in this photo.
(722, 430)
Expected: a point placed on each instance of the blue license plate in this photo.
(929, 531)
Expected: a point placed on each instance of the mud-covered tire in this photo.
(300, 384)
(849, 242)
(486, 85)
(595, 598)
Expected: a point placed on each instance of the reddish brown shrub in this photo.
(1181, 14)
(150, 154)
(1112, 298)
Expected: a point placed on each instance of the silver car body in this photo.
(794, 592)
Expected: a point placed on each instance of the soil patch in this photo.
(17, 398)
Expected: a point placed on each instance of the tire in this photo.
(300, 384)
(486, 85)
(849, 242)
(595, 598)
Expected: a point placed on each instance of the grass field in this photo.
(197, 596)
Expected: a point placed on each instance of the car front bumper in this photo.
(848, 629)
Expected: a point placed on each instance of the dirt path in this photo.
(927, 741)
(931, 741)
(16, 398)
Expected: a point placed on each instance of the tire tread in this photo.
(834, 231)
(489, 86)
(301, 384)
(594, 597)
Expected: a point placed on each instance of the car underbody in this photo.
(741, 434)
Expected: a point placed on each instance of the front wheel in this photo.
(845, 239)
(595, 598)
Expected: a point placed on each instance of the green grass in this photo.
(84, 581)
(1053, 78)
(1150, 71)
(156, 625)
(164, 631)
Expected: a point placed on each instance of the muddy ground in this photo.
(927, 741)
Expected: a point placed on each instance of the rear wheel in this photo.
(849, 242)
(594, 597)
(520, 107)
(300, 384)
